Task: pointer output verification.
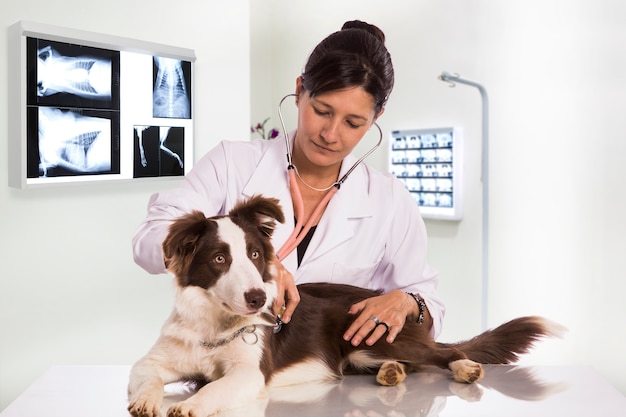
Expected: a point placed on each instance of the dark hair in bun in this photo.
(358, 24)
(355, 56)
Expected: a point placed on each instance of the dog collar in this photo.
(241, 332)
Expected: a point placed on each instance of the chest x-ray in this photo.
(70, 75)
(73, 117)
(71, 143)
(88, 77)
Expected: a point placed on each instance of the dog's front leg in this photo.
(239, 386)
(145, 389)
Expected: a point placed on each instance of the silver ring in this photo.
(375, 320)
(386, 325)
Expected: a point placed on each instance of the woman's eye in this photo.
(319, 112)
(220, 259)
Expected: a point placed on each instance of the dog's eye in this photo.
(255, 254)
(220, 259)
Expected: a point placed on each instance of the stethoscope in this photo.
(301, 229)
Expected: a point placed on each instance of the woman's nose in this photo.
(330, 132)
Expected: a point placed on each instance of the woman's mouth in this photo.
(323, 148)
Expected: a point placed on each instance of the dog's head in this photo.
(231, 257)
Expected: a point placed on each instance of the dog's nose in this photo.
(255, 298)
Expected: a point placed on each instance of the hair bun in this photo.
(359, 24)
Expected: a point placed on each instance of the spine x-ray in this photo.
(171, 95)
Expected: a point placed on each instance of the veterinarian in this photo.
(370, 234)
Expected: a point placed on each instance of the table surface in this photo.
(506, 391)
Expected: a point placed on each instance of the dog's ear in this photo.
(181, 243)
(261, 211)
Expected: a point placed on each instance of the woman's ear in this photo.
(380, 113)
(298, 88)
(299, 84)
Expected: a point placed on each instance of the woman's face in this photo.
(330, 125)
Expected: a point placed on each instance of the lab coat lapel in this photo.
(270, 179)
(270, 176)
(340, 219)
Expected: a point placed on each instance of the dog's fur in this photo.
(221, 329)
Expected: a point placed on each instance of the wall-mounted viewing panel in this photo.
(93, 107)
(428, 161)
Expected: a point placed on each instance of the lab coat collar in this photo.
(270, 177)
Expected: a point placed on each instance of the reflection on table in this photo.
(505, 391)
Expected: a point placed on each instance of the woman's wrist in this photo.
(421, 307)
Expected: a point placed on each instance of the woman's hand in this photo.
(287, 297)
(392, 309)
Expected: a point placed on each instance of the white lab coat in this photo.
(371, 234)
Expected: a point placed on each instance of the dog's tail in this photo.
(506, 342)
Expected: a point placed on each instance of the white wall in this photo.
(555, 71)
(69, 290)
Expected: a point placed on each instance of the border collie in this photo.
(222, 329)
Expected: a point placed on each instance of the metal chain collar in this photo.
(241, 332)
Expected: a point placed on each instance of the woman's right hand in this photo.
(287, 297)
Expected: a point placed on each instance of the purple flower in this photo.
(260, 129)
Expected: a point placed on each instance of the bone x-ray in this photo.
(159, 151)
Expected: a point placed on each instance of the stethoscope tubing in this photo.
(300, 231)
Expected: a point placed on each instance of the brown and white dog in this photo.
(222, 330)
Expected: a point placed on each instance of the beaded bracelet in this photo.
(421, 305)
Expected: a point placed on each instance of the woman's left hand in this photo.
(391, 308)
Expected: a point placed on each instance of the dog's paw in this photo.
(145, 407)
(183, 409)
(391, 373)
(465, 370)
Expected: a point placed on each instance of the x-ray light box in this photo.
(92, 107)
(428, 162)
